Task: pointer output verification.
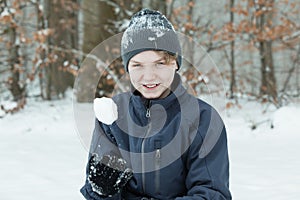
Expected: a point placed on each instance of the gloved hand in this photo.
(108, 175)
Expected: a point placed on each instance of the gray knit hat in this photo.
(149, 30)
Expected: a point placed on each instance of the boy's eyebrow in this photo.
(134, 61)
(160, 59)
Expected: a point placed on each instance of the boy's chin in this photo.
(158, 94)
(151, 96)
(155, 95)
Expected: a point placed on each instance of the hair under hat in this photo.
(149, 30)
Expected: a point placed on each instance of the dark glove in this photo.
(108, 175)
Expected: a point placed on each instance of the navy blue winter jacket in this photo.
(176, 146)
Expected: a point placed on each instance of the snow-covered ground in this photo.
(42, 156)
(264, 162)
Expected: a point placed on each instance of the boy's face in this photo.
(151, 75)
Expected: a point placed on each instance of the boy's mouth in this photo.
(151, 86)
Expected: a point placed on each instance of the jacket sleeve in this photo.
(102, 143)
(207, 160)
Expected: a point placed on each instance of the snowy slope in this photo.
(40, 153)
(264, 162)
(42, 157)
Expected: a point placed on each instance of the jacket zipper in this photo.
(157, 171)
(148, 115)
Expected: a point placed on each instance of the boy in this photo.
(156, 148)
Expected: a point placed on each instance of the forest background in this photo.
(254, 44)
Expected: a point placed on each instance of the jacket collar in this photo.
(177, 90)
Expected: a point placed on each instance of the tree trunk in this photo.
(62, 19)
(97, 17)
(40, 19)
(268, 81)
(97, 27)
(15, 87)
(232, 56)
(14, 60)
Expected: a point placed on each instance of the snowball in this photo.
(105, 110)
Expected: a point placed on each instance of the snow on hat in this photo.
(149, 30)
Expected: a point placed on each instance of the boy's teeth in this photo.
(151, 86)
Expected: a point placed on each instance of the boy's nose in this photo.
(149, 73)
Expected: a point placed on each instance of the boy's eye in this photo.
(136, 65)
(160, 64)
